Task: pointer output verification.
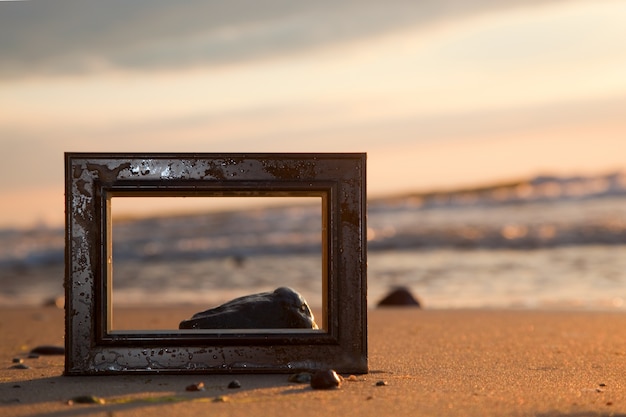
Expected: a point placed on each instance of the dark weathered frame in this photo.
(92, 179)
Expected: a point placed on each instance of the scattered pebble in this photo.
(220, 399)
(352, 378)
(381, 383)
(234, 384)
(327, 379)
(195, 387)
(86, 399)
(602, 385)
(48, 350)
(18, 360)
(20, 366)
(300, 378)
(17, 386)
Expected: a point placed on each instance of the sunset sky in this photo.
(439, 93)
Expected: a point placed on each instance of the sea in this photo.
(547, 242)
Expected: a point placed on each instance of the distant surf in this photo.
(425, 240)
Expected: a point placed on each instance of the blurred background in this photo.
(495, 131)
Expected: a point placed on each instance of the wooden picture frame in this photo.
(92, 179)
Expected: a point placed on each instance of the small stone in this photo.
(18, 360)
(352, 378)
(300, 378)
(400, 297)
(326, 379)
(602, 385)
(220, 399)
(17, 386)
(33, 356)
(234, 384)
(20, 366)
(195, 387)
(86, 399)
(381, 383)
(48, 350)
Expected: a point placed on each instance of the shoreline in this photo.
(434, 362)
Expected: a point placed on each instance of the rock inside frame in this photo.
(92, 179)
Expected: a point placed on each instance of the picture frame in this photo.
(94, 348)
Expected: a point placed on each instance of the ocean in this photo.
(542, 243)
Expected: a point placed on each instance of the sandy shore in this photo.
(458, 362)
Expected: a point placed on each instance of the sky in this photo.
(441, 94)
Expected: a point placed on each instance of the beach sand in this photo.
(434, 363)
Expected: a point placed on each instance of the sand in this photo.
(434, 362)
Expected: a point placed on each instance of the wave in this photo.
(544, 211)
(541, 188)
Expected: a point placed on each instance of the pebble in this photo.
(234, 384)
(20, 366)
(326, 379)
(195, 387)
(48, 350)
(381, 383)
(18, 360)
(86, 399)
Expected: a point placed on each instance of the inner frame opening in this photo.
(262, 212)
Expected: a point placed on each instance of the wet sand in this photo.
(434, 363)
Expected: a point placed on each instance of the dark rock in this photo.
(327, 379)
(86, 399)
(399, 297)
(283, 308)
(48, 350)
(20, 366)
(18, 360)
(381, 383)
(234, 384)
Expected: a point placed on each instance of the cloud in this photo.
(79, 36)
